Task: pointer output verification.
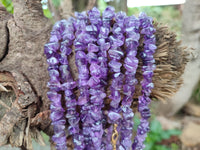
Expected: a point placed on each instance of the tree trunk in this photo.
(191, 76)
(79, 5)
(24, 107)
(120, 5)
(23, 69)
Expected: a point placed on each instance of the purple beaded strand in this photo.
(83, 38)
(148, 67)
(116, 54)
(68, 85)
(57, 111)
(97, 86)
(104, 44)
(132, 25)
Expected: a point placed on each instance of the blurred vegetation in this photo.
(46, 11)
(156, 135)
(101, 4)
(167, 15)
(8, 5)
(56, 3)
(196, 94)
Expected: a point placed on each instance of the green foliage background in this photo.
(168, 15)
(196, 94)
(8, 5)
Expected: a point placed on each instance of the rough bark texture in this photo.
(23, 72)
(23, 69)
(67, 7)
(3, 31)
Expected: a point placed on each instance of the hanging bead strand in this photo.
(104, 44)
(68, 85)
(116, 54)
(132, 25)
(97, 87)
(148, 67)
(83, 38)
(57, 112)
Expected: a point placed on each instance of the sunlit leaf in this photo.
(8, 5)
(47, 13)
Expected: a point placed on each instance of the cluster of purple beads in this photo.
(99, 43)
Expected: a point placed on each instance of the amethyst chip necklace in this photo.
(96, 108)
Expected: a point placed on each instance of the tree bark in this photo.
(23, 68)
(24, 107)
(120, 5)
(66, 13)
(79, 5)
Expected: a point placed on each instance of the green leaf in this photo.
(174, 132)
(165, 135)
(174, 146)
(45, 136)
(47, 13)
(155, 126)
(160, 147)
(157, 134)
(155, 137)
(10, 9)
(8, 5)
(101, 5)
(148, 146)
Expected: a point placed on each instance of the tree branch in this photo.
(91, 4)
(54, 11)
(4, 40)
(28, 14)
(66, 8)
